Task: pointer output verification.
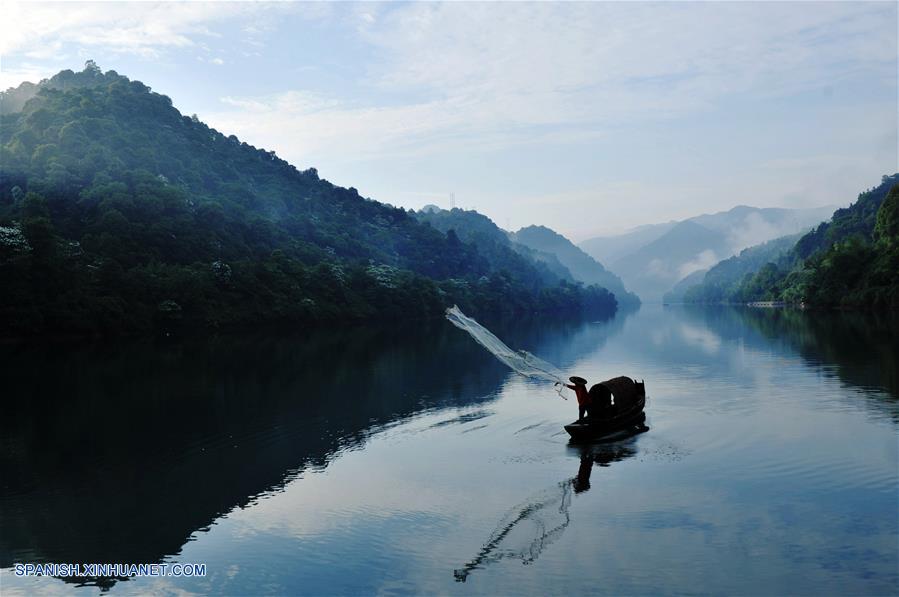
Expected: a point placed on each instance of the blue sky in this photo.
(587, 117)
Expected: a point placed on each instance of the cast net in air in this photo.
(519, 361)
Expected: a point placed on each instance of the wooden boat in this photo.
(625, 413)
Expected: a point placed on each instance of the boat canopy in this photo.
(625, 390)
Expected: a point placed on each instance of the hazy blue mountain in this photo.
(747, 226)
(653, 259)
(550, 260)
(609, 249)
(583, 267)
(849, 261)
(492, 241)
(676, 294)
(655, 268)
(718, 284)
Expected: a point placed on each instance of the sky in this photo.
(589, 118)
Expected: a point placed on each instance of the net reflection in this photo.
(530, 527)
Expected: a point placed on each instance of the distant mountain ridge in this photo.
(609, 249)
(472, 227)
(719, 283)
(556, 255)
(582, 266)
(849, 261)
(659, 265)
(652, 259)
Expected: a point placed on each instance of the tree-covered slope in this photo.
(118, 213)
(850, 261)
(858, 220)
(721, 284)
(493, 242)
(861, 267)
(583, 267)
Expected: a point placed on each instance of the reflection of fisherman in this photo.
(604, 455)
(581, 483)
(546, 512)
(583, 396)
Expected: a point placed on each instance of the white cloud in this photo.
(496, 74)
(466, 78)
(28, 72)
(41, 29)
(702, 338)
(604, 60)
(496, 71)
(305, 125)
(704, 260)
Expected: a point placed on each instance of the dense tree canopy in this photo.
(850, 261)
(723, 283)
(119, 214)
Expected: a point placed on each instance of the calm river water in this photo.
(411, 461)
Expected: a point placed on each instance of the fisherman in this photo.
(583, 396)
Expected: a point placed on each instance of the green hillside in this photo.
(851, 261)
(723, 282)
(493, 242)
(119, 214)
(582, 266)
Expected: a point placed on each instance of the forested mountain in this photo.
(859, 221)
(493, 242)
(583, 267)
(850, 261)
(722, 283)
(653, 259)
(120, 214)
(14, 99)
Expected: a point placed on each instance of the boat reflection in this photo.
(603, 453)
(533, 525)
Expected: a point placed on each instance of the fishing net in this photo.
(519, 361)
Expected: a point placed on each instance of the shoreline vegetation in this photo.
(850, 262)
(120, 216)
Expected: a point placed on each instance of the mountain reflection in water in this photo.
(120, 452)
(372, 461)
(137, 450)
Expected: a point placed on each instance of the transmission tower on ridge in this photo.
(452, 201)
